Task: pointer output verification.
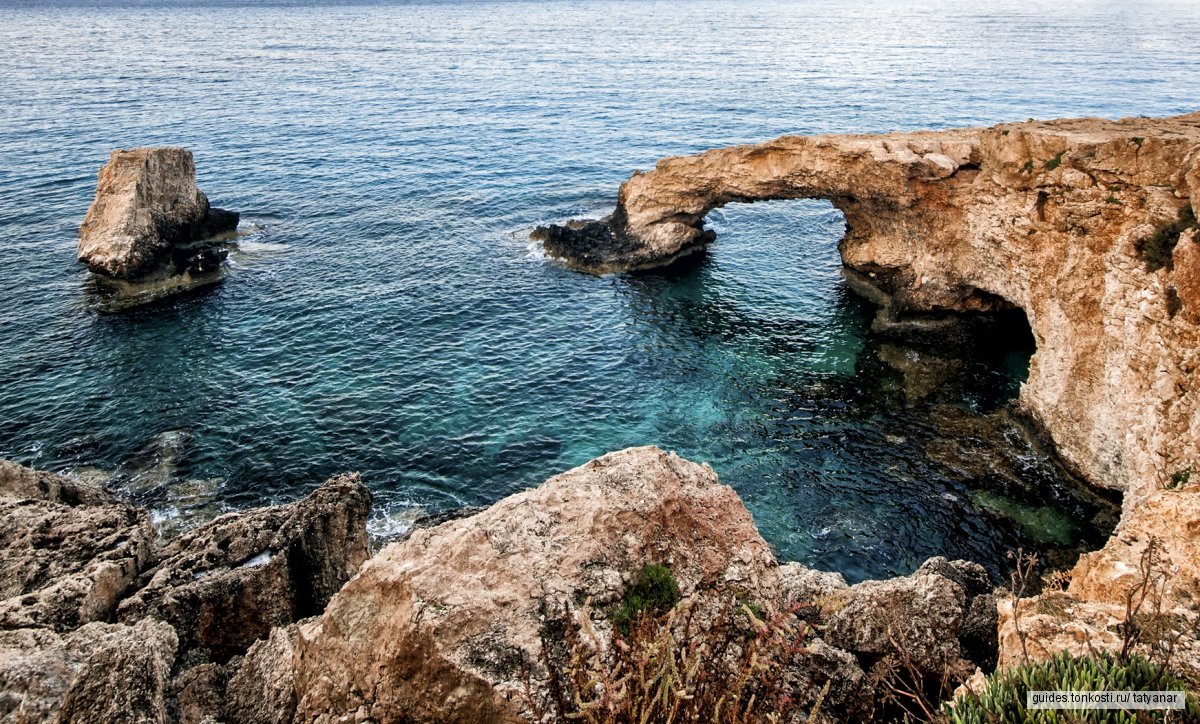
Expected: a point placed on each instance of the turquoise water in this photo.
(387, 313)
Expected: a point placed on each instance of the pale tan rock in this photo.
(22, 483)
(1088, 615)
(799, 584)
(443, 626)
(1045, 216)
(146, 231)
(1056, 622)
(1170, 517)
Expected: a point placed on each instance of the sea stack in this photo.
(150, 232)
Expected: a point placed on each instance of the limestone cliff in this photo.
(1087, 225)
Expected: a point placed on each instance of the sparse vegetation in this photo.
(1180, 479)
(1003, 697)
(682, 666)
(1054, 162)
(1114, 200)
(1158, 248)
(654, 592)
(1027, 167)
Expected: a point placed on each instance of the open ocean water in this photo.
(387, 314)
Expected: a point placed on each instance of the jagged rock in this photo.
(263, 689)
(850, 691)
(22, 483)
(225, 584)
(800, 584)
(149, 230)
(1054, 217)
(98, 673)
(445, 625)
(1088, 616)
(919, 614)
(971, 576)
(978, 635)
(67, 552)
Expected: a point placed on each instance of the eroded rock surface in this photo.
(444, 626)
(150, 231)
(1087, 225)
(98, 673)
(75, 558)
(68, 553)
(450, 624)
(1163, 586)
(227, 583)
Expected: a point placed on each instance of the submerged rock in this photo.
(150, 232)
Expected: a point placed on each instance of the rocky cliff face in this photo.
(1087, 225)
(150, 231)
(99, 624)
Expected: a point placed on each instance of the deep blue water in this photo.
(388, 315)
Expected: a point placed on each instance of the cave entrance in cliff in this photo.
(902, 449)
(784, 254)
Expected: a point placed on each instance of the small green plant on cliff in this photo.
(1158, 248)
(1180, 479)
(1002, 699)
(1027, 167)
(1054, 162)
(655, 591)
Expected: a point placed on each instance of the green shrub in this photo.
(1158, 248)
(1027, 167)
(1180, 478)
(655, 592)
(1054, 162)
(1003, 698)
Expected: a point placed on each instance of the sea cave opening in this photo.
(856, 449)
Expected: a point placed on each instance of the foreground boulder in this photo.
(464, 621)
(68, 553)
(446, 625)
(150, 231)
(227, 583)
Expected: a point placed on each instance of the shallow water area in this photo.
(386, 312)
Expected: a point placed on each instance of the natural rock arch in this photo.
(1069, 220)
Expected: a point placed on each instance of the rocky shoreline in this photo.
(250, 617)
(1087, 226)
(511, 613)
